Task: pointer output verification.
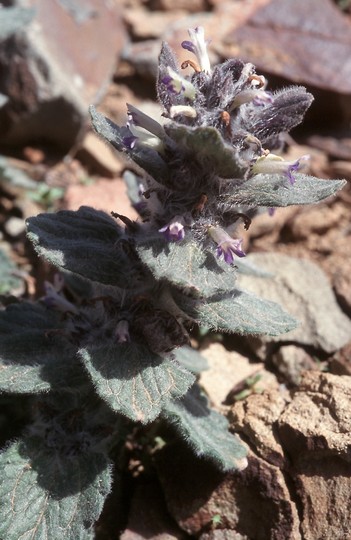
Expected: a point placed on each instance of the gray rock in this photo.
(303, 290)
(55, 66)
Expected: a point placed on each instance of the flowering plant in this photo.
(108, 344)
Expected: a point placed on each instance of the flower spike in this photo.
(198, 46)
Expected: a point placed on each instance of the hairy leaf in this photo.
(133, 380)
(191, 359)
(241, 313)
(84, 242)
(32, 361)
(185, 264)
(205, 430)
(147, 158)
(45, 495)
(208, 147)
(275, 190)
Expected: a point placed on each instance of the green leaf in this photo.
(47, 495)
(133, 380)
(241, 313)
(191, 359)
(207, 145)
(84, 243)
(147, 158)
(32, 361)
(185, 264)
(205, 430)
(9, 280)
(275, 190)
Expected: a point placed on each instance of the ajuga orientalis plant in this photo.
(107, 347)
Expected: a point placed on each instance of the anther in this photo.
(194, 65)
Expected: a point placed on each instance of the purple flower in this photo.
(226, 245)
(256, 96)
(174, 231)
(140, 119)
(273, 164)
(54, 299)
(198, 46)
(122, 332)
(176, 84)
(129, 141)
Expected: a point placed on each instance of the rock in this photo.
(303, 290)
(342, 286)
(291, 361)
(254, 503)
(255, 418)
(223, 534)
(15, 226)
(300, 454)
(55, 67)
(148, 516)
(340, 363)
(143, 56)
(104, 194)
(226, 370)
(298, 42)
(146, 24)
(318, 219)
(335, 147)
(193, 6)
(315, 431)
(98, 156)
(318, 420)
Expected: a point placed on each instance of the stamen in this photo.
(225, 117)
(257, 78)
(200, 205)
(194, 65)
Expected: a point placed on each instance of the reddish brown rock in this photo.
(148, 516)
(256, 417)
(226, 370)
(299, 41)
(55, 67)
(104, 194)
(315, 432)
(254, 503)
(290, 361)
(340, 363)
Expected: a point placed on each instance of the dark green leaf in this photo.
(241, 313)
(275, 190)
(133, 380)
(83, 242)
(186, 265)
(207, 145)
(147, 158)
(32, 360)
(205, 430)
(48, 495)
